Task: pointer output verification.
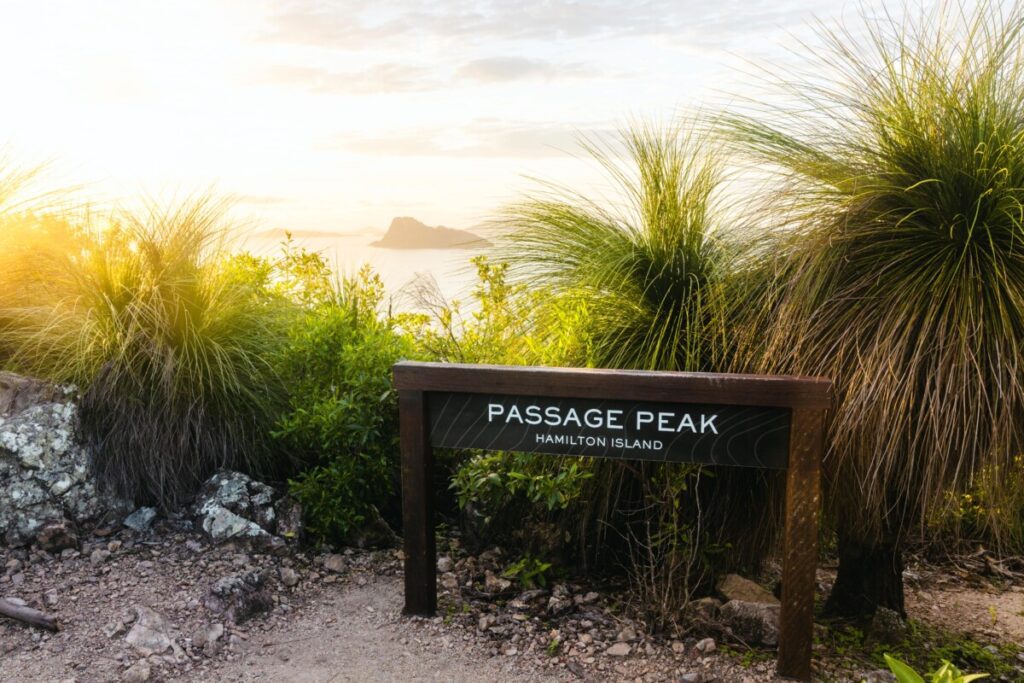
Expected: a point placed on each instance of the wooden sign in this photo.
(715, 419)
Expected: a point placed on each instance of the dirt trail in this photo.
(356, 633)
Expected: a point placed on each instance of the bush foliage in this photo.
(341, 424)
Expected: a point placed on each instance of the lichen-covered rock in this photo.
(141, 520)
(233, 506)
(240, 597)
(44, 471)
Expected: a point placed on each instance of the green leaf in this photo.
(903, 673)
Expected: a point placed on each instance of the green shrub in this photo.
(989, 512)
(168, 347)
(342, 421)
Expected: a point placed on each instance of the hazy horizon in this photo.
(334, 115)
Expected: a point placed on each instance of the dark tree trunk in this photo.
(870, 576)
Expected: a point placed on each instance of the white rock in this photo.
(619, 650)
(149, 634)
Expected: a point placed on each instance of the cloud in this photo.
(379, 78)
(501, 69)
(355, 24)
(484, 138)
(393, 77)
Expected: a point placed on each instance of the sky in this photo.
(338, 115)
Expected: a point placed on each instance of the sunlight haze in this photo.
(337, 115)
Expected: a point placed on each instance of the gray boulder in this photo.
(45, 472)
(233, 506)
(241, 596)
(755, 623)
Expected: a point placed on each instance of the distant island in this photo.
(409, 233)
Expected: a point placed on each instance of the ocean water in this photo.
(403, 271)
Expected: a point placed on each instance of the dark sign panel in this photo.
(665, 432)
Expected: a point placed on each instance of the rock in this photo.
(619, 650)
(495, 584)
(533, 595)
(887, 627)
(626, 635)
(335, 563)
(44, 470)
(706, 646)
(150, 633)
(702, 610)
(735, 587)
(692, 677)
(114, 629)
(139, 672)
(233, 506)
(206, 637)
(876, 676)
(57, 536)
(445, 564)
(241, 597)
(449, 581)
(755, 623)
(140, 520)
(289, 577)
(289, 519)
(678, 646)
(99, 556)
(560, 601)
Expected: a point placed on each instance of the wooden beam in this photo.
(800, 549)
(635, 385)
(417, 505)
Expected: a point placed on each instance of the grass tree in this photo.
(897, 266)
(168, 347)
(649, 262)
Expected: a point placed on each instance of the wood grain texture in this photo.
(417, 505)
(677, 387)
(800, 549)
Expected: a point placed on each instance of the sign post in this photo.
(715, 419)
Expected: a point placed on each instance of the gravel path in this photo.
(169, 606)
(356, 634)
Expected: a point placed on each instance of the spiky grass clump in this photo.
(899, 265)
(650, 266)
(648, 270)
(167, 346)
